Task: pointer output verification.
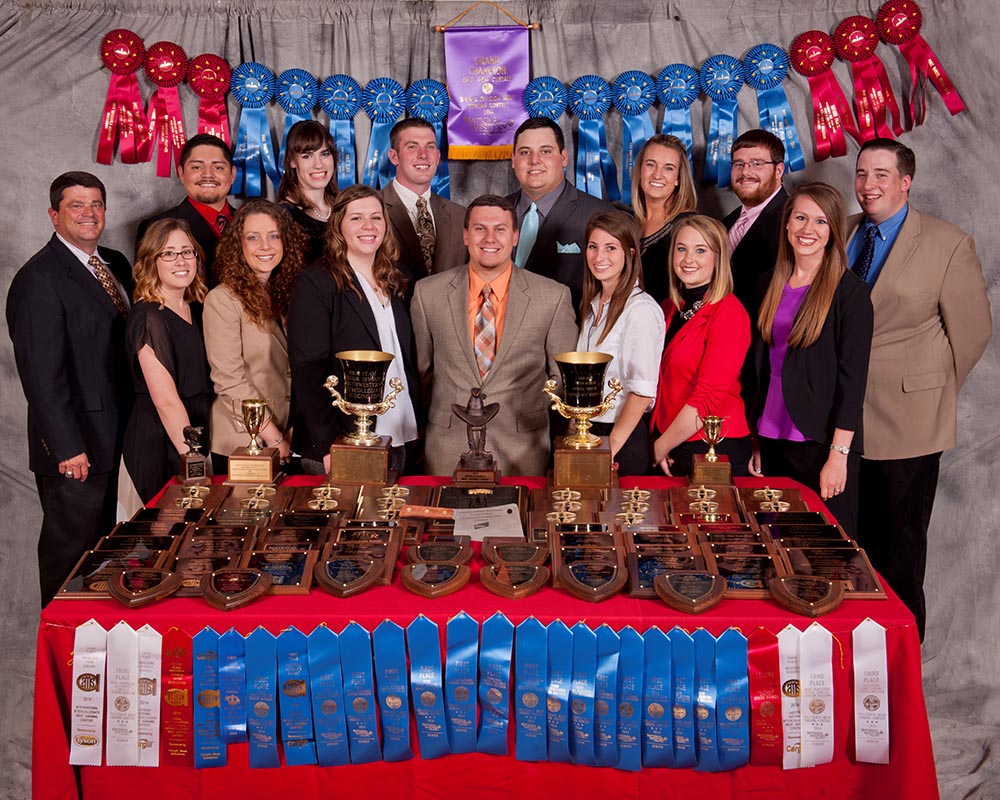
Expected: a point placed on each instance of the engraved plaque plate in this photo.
(90, 576)
(646, 564)
(291, 573)
(761, 518)
(593, 581)
(499, 549)
(192, 570)
(234, 587)
(851, 566)
(808, 595)
(438, 552)
(263, 467)
(514, 581)
(435, 580)
(138, 587)
(747, 576)
(691, 592)
(344, 577)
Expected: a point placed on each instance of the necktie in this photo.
(737, 231)
(529, 232)
(485, 343)
(104, 278)
(221, 222)
(425, 232)
(863, 263)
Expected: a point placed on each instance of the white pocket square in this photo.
(572, 247)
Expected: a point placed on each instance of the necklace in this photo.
(315, 212)
(687, 313)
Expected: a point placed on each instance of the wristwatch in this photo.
(843, 449)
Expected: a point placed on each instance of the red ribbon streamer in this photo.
(765, 699)
(176, 701)
(855, 41)
(209, 76)
(166, 66)
(122, 52)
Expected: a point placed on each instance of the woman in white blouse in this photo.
(618, 318)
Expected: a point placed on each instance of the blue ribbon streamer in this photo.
(382, 101)
(545, 96)
(209, 749)
(731, 675)
(765, 68)
(297, 93)
(495, 656)
(359, 694)
(560, 643)
(262, 699)
(252, 86)
(633, 93)
(428, 100)
(590, 99)
(389, 643)
(427, 686)
(677, 87)
(706, 694)
(232, 687)
(529, 690)
(581, 695)
(606, 698)
(657, 700)
(327, 689)
(721, 79)
(630, 683)
(682, 658)
(340, 99)
(462, 659)
(294, 701)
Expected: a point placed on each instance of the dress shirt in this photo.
(884, 240)
(753, 212)
(84, 259)
(544, 204)
(212, 215)
(409, 200)
(498, 286)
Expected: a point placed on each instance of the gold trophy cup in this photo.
(253, 463)
(711, 467)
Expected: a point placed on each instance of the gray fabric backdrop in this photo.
(52, 86)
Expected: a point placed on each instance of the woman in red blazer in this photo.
(708, 335)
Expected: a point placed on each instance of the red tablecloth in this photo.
(909, 774)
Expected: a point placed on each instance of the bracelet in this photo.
(276, 442)
(843, 449)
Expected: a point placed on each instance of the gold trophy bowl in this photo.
(253, 463)
(711, 432)
(712, 468)
(255, 416)
(583, 383)
(364, 383)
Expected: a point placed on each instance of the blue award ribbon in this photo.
(721, 79)
(732, 680)
(340, 99)
(252, 86)
(581, 695)
(590, 99)
(359, 694)
(297, 92)
(630, 664)
(706, 694)
(382, 101)
(327, 689)
(682, 661)
(606, 698)
(677, 87)
(427, 686)
(262, 699)
(495, 656)
(427, 99)
(633, 93)
(294, 702)
(530, 678)
(232, 687)
(657, 700)
(461, 664)
(209, 749)
(764, 68)
(545, 96)
(560, 644)
(389, 642)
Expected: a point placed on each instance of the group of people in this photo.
(801, 327)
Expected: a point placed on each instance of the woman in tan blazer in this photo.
(260, 255)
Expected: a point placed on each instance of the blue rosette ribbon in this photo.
(721, 80)
(590, 100)
(252, 86)
(297, 92)
(382, 100)
(427, 99)
(545, 96)
(764, 68)
(677, 87)
(633, 94)
(340, 99)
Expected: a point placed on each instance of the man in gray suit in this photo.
(428, 227)
(492, 326)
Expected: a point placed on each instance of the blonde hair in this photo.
(683, 198)
(715, 236)
(147, 277)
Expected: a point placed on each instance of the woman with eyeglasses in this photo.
(309, 182)
(167, 354)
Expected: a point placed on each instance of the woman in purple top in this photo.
(814, 333)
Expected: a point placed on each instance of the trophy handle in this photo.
(331, 386)
(390, 399)
(557, 403)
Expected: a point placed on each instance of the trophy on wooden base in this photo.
(582, 459)
(194, 464)
(476, 467)
(362, 456)
(253, 463)
(711, 467)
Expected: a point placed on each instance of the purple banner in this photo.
(487, 70)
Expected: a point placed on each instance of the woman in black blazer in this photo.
(351, 299)
(814, 333)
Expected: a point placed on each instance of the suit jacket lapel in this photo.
(517, 307)
(553, 221)
(442, 231)
(400, 219)
(906, 244)
(82, 276)
(363, 310)
(458, 303)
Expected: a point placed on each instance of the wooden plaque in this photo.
(439, 552)
(234, 587)
(435, 580)
(849, 565)
(138, 587)
(514, 581)
(263, 467)
(351, 463)
(192, 570)
(705, 471)
(592, 580)
(93, 571)
(645, 564)
(690, 592)
(291, 572)
(344, 577)
(583, 468)
(809, 595)
(509, 550)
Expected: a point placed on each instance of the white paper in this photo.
(493, 521)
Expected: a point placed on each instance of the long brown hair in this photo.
(684, 197)
(305, 136)
(715, 236)
(145, 274)
(622, 226)
(387, 275)
(260, 304)
(812, 313)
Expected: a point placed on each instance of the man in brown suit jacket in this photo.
(533, 322)
(932, 323)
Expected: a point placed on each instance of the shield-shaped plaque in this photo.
(809, 595)
(691, 592)
(514, 581)
(439, 552)
(501, 550)
(137, 587)
(435, 580)
(343, 577)
(233, 587)
(592, 580)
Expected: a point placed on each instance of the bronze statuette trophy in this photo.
(194, 464)
(476, 467)
(582, 459)
(711, 467)
(253, 463)
(362, 456)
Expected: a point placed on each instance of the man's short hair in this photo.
(758, 137)
(206, 139)
(906, 160)
(405, 125)
(67, 179)
(491, 201)
(535, 123)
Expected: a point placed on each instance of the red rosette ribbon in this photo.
(855, 40)
(122, 52)
(208, 76)
(166, 66)
(811, 55)
(898, 22)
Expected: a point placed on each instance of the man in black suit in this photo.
(207, 174)
(552, 215)
(755, 227)
(428, 227)
(66, 314)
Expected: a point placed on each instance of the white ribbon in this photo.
(788, 672)
(87, 714)
(871, 693)
(816, 703)
(123, 700)
(148, 690)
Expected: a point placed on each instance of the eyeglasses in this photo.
(171, 255)
(753, 163)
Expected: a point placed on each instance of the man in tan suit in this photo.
(494, 326)
(932, 323)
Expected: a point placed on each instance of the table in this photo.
(910, 773)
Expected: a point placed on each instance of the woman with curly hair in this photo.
(309, 182)
(167, 354)
(352, 299)
(258, 258)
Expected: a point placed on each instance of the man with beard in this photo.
(207, 175)
(755, 227)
